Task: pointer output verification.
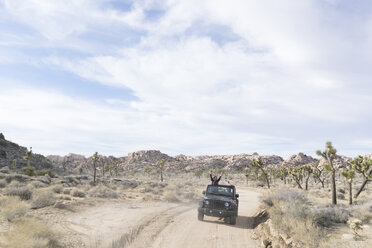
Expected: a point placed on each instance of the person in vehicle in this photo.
(214, 179)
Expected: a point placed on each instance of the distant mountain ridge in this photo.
(140, 159)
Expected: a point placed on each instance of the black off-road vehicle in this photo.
(219, 201)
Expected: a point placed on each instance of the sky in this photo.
(186, 77)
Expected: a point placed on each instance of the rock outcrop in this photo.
(10, 151)
(299, 160)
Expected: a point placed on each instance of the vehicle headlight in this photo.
(206, 202)
(227, 204)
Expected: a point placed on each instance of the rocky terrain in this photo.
(137, 161)
(10, 151)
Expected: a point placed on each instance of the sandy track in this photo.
(163, 225)
(186, 231)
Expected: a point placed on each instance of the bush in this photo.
(38, 184)
(29, 171)
(327, 216)
(12, 207)
(16, 189)
(29, 233)
(43, 198)
(3, 183)
(170, 196)
(78, 193)
(46, 172)
(291, 214)
(66, 191)
(103, 192)
(283, 195)
(58, 189)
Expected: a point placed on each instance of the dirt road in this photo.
(164, 225)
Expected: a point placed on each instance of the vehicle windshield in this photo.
(220, 190)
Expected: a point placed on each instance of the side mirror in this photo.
(203, 192)
(237, 195)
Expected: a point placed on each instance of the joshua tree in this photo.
(348, 174)
(246, 174)
(319, 173)
(259, 164)
(14, 164)
(283, 173)
(329, 154)
(296, 174)
(94, 158)
(64, 163)
(362, 165)
(307, 171)
(28, 157)
(102, 160)
(160, 165)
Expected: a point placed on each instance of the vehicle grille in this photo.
(217, 205)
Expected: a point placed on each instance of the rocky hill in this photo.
(10, 151)
(298, 160)
(140, 159)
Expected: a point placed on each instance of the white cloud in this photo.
(284, 73)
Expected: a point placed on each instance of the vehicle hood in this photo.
(217, 197)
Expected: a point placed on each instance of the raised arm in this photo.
(219, 178)
(211, 177)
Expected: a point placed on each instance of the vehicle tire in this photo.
(200, 216)
(233, 220)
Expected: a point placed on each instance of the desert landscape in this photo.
(185, 124)
(149, 199)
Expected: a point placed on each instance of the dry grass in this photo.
(3, 183)
(290, 213)
(78, 193)
(17, 189)
(43, 198)
(103, 192)
(12, 207)
(66, 191)
(171, 196)
(57, 189)
(31, 233)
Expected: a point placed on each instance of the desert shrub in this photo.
(341, 196)
(16, 177)
(29, 170)
(4, 170)
(329, 215)
(20, 190)
(43, 198)
(282, 195)
(43, 172)
(12, 207)
(78, 193)
(3, 183)
(57, 189)
(66, 191)
(342, 191)
(30, 233)
(38, 184)
(290, 213)
(170, 196)
(103, 192)
(190, 196)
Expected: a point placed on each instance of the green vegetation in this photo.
(329, 154)
(29, 171)
(160, 165)
(259, 165)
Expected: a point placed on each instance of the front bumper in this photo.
(217, 212)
